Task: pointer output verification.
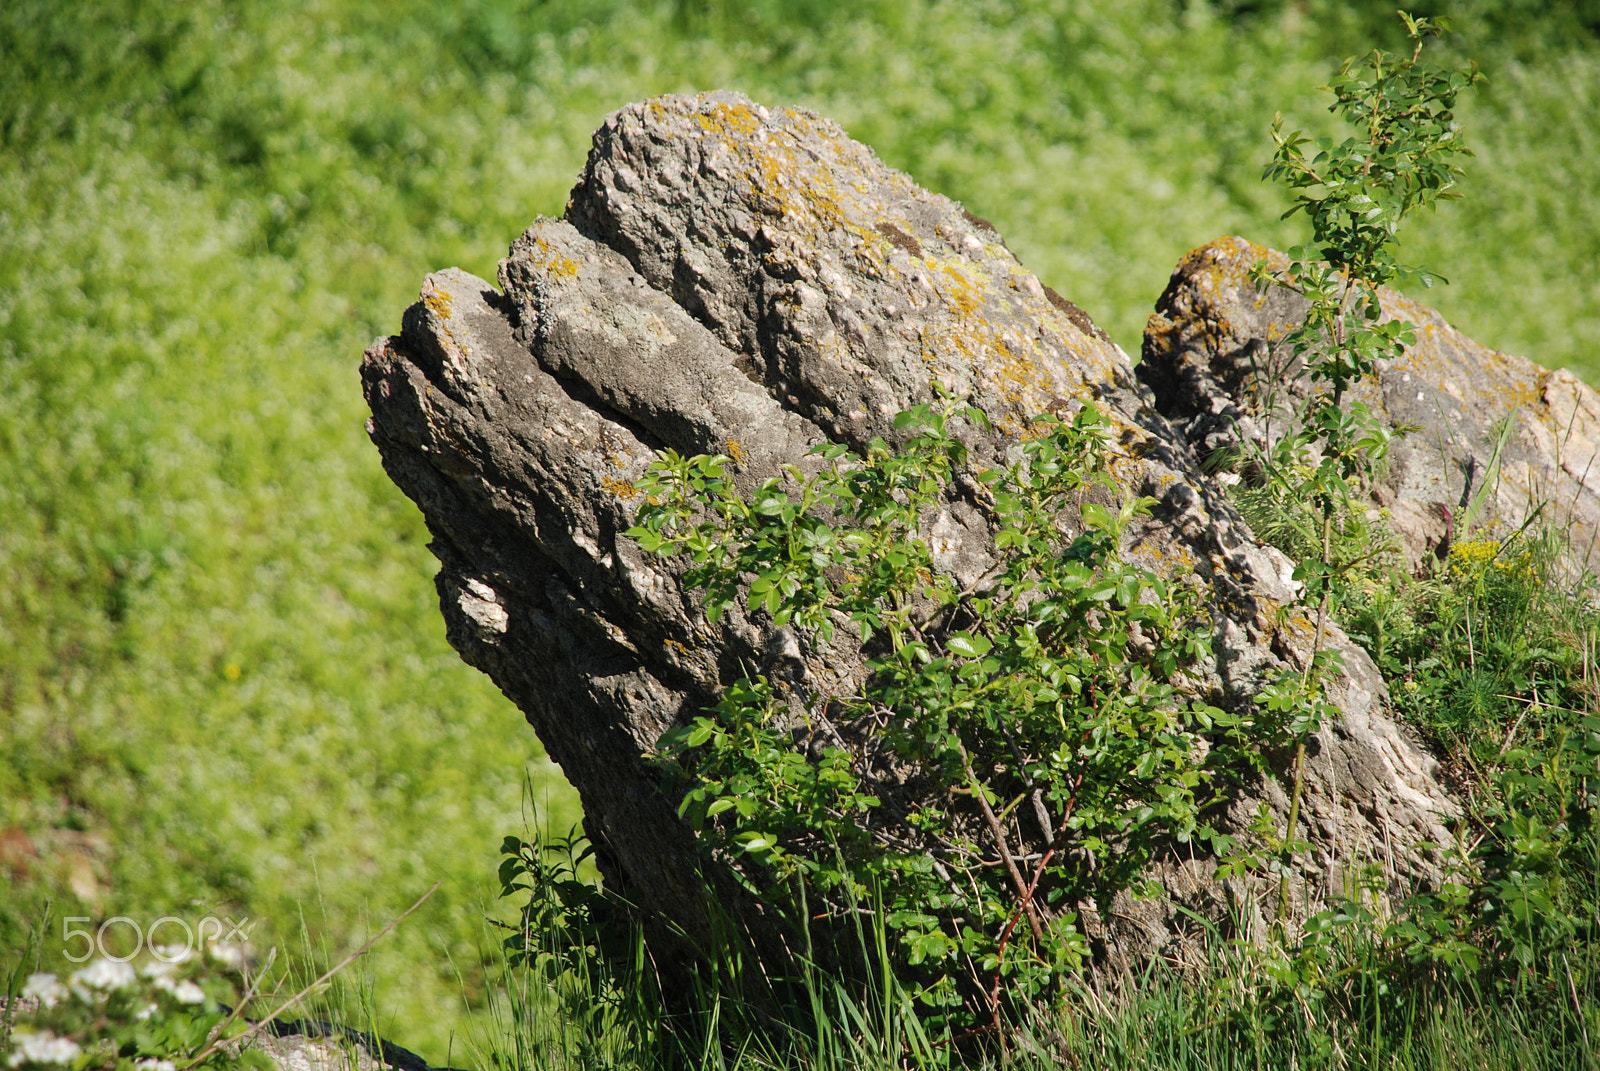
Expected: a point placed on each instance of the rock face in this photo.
(1481, 418)
(733, 280)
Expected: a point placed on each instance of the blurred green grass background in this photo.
(224, 686)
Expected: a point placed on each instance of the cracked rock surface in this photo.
(734, 280)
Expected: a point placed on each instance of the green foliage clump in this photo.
(1492, 658)
(1039, 715)
(579, 987)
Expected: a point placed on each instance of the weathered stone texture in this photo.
(1213, 354)
(729, 279)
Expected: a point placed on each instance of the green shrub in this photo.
(1019, 748)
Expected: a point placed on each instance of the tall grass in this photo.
(221, 666)
(1231, 1012)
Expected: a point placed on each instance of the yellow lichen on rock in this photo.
(437, 302)
(623, 489)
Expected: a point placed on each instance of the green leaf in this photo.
(968, 645)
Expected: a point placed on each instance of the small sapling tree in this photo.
(1356, 193)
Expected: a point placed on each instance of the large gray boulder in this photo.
(751, 282)
(1479, 419)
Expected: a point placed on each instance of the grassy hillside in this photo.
(223, 680)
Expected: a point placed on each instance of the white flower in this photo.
(157, 970)
(46, 988)
(189, 993)
(171, 954)
(106, 974)
(150, 1063)
(228, 954)
(42, 1048)
(184, 992)
(145, 1012)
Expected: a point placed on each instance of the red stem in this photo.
(1026, 899)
